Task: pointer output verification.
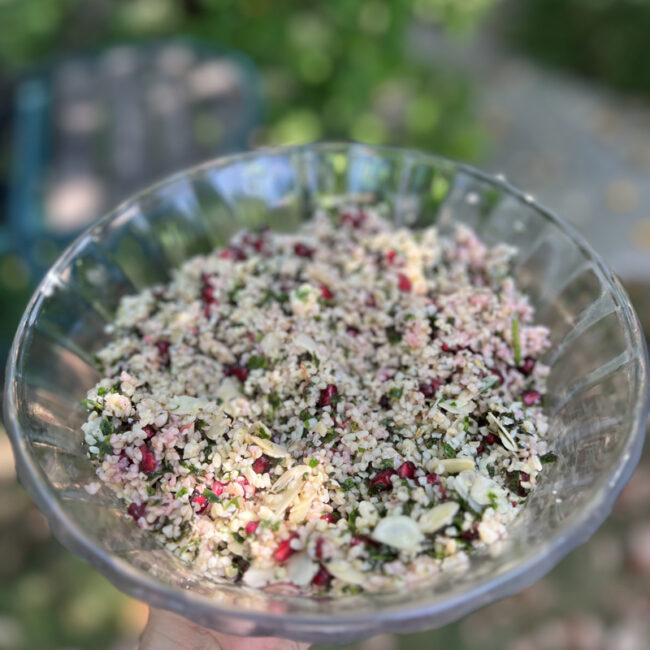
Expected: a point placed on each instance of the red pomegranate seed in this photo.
(498, 375)
(261, 465)
(382, 480)
(322, 578)
(163, 352)
(384, 401)
(302, 250)
(326, 293)
(531, 397)
(429, 389)
(251, 527)
(432, 478)
(148, 464)
(470, 534)
(446, 348)
(328, 517)
(390, 256)
(524, 476)
(352, 331)
(527, 366)
(200, 503)
(150, 431)
(217, 487)
(480, 449)
(137, 510)
(489, 439)
(318, 549)
(404, 283)
(284, 551)
(233, 253)
(239, 371)
(354, 220)
(362, 539)
(326, 395)
(406, 470)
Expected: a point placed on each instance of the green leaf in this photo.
(450, 452)
(257, 361)
(313, 462)
(181, 493)
(492, 498)
(387, 462)
(212, 497)
(106, 427)
(395, 393)
(331, 435)
(94, 406)
(348, 484)
(548, 458)
(393, 335)
(101, 391)
(234, 501)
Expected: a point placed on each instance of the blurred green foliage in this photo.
(605, 39)
(333, 69)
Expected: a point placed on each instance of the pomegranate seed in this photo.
(326, 293)
(531, 397)
(352, 331)
(498, 375)
(163, 352)
(207, 294)
(404, 283)
(480, 449)
(470, 534)
(429, 389)
(251, 527)
(362, 539)
(328, 517)
(527, 366)
(322, 578)
(318, 549)
(406, 470)
(384, 401)
(261, 465)
(354, 220)
(524, 476)
(137, 510)
(302, 250)
(390, 256)
(446, 348)
(239, 371)
(150, 431)
(382, 480)
(148, 464)
(284, 551)
(489, 439)
(326, 395)
(200, 503)
(432, 478)
(217, 487)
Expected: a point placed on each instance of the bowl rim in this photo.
(202, 609)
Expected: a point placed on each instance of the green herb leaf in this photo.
(450, 452)
(212, 497)
(395, 393)
(492, 498)
(106, 427)
(387, 462)
(239, 538)
(331, 435)
(257, 361)
(393, 335)
(348, 484)
(548, 458)
(181, 493)
(94, 406)
(313, 462)
(101, 391)
(233, 502)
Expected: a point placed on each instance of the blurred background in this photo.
(98, 98)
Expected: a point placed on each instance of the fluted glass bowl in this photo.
(596, 389)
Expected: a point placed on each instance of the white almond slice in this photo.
(270, 448)
(301, 570)
(304, 342)
(257, 577)
(278, 503)
(438, 517)
(270, 345)
(505, 436)
(228, 390)
(300, 509)
(186, 405)
(398, 531)
(343, 571)
(458, 408)
(218, 427)
(481, 489)
(291, 475)
(450, 465)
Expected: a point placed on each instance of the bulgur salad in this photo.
(350, 407)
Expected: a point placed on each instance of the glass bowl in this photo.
(597, 401)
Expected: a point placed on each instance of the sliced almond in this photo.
(270, 448)
(278, 503)
(345, 572)
(450, 465)
(291, 475)
(481, 488)
(398, 531)
(506, 438)
(438, 517)
(301, 569)
(300, 509)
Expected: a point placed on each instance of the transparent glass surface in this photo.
(597, 386)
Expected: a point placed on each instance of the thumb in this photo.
(168, 631)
